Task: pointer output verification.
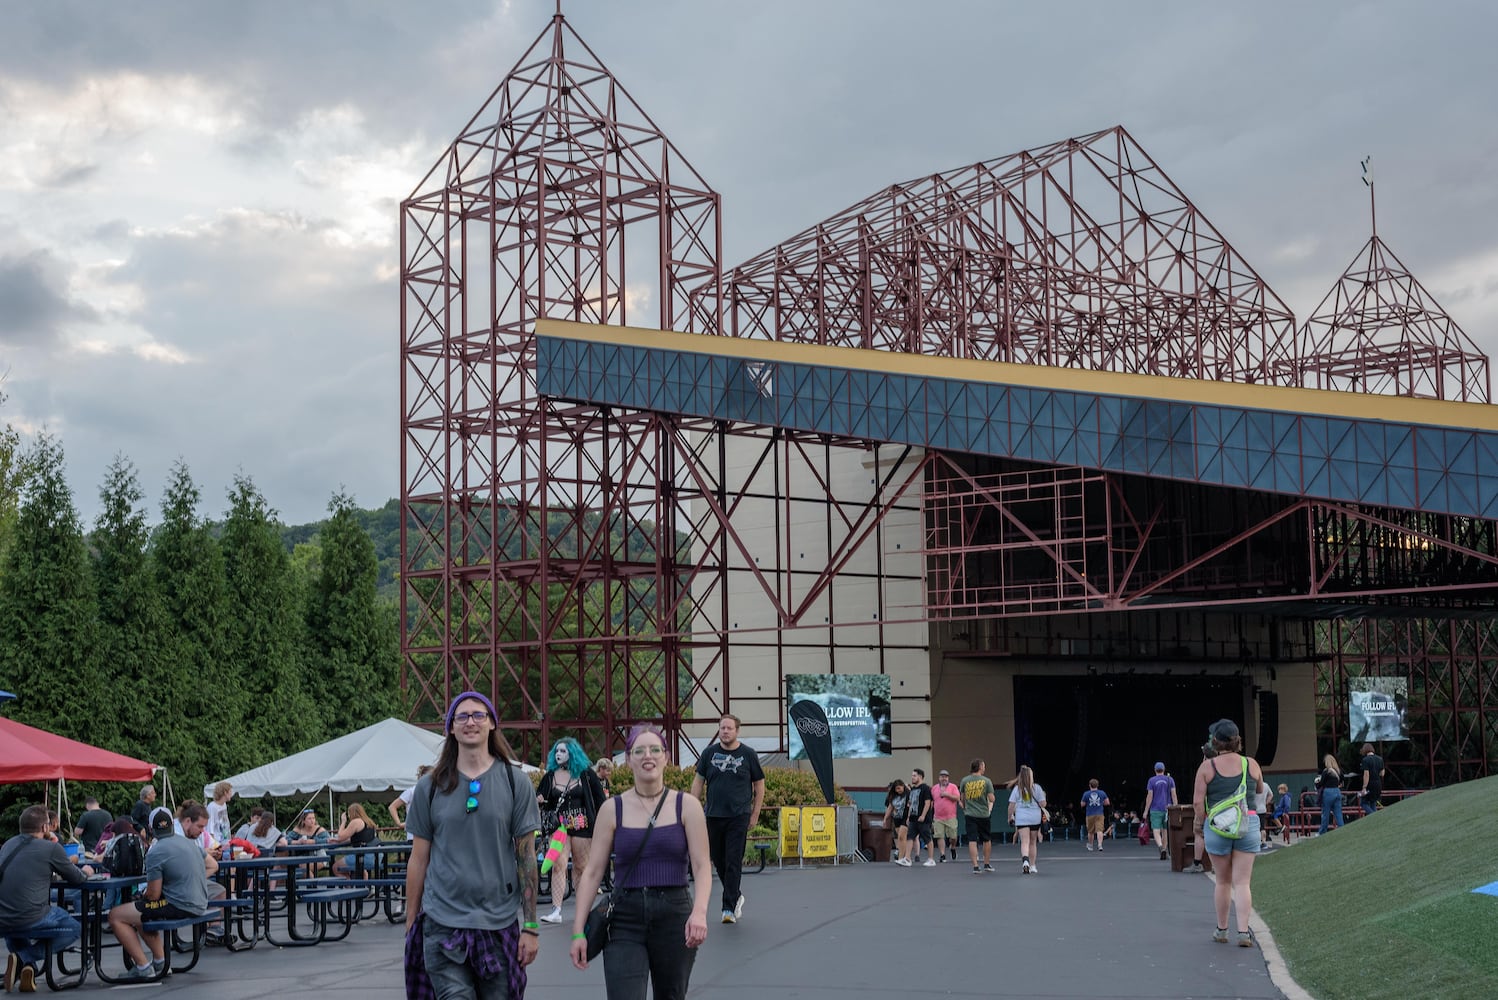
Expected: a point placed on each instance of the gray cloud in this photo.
(791, 110)
(34, 305)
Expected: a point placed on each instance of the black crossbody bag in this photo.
(597, 926)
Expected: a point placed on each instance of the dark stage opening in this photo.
(1113, 727)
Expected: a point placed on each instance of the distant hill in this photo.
(383, 525)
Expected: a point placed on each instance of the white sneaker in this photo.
(738, 908)
(928, 863)
(1090, 847)
(1034, 869)
(1024, 868)
(903, 862)
(554, 917)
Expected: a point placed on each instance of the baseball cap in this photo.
(1159, 765)
(161, 823)
(1223, 731)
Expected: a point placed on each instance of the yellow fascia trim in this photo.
(1312, 402)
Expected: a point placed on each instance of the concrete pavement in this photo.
(1112, 925)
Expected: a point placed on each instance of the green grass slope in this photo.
(1385, 908)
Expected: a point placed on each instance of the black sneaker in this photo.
(988, 868)
(977, 870)
(1164, 854)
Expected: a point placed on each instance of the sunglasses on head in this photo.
(474, 787)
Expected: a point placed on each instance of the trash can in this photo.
(1180, 837)
(877, 843)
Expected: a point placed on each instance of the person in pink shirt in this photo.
(946, 797)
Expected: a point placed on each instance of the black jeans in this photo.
(726, 836)
(648, 943)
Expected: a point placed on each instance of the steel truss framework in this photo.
(1379, 331)
(572, 560)
(1451, 666)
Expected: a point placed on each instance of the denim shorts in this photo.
(1219, 846)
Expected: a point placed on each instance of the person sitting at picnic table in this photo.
(356, 830)
(30, 860)
(264, 835)
(243, 833)
(308, 830)
(177, 886)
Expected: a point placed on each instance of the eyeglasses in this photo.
(463, 718)
(474, 787)
(651, 750)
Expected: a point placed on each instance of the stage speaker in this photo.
(1269, 727)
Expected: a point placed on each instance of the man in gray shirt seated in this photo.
(177, 871)
(27, 863)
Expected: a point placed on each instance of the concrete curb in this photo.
(1274, 960)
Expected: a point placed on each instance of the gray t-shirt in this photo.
(26, 892)
(472, 881)
(182, 867)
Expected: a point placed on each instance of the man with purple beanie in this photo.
(471, 882)
(1160, 795)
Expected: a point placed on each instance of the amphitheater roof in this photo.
(1411, 453)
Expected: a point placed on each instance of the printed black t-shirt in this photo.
(729, 776)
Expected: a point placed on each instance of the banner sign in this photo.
(790, 831)
(856, 707)
(809, 722)
(1376, 708)
(818, 831)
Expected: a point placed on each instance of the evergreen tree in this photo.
(155, 689)
(352, 635)
(15, 469)
(265, 631)
(48, 617)
(194, 590)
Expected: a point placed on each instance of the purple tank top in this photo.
(664, 864)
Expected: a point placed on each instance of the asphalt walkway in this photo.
(1114, 925)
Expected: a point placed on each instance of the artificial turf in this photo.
(1385, 907)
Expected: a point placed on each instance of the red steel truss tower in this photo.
(538, 548)
(573, 561)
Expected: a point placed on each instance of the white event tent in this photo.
(378, 758)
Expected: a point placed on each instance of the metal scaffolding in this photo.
(572, 560)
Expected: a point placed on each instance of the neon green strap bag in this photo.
(1227, 817)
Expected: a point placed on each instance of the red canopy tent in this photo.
(29, 754)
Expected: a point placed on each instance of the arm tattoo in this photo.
(530, 880)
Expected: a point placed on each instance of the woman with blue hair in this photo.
(570, 795)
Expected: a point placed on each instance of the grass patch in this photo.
(1385, 908)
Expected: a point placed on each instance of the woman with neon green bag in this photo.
(1227, 827)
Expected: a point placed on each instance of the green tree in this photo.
(48, 617)
(351, 633)
(16, 465)
(265, 630)
(194, 589)
(145, 675)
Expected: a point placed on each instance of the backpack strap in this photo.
(678, 807)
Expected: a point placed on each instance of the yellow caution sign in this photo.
(790, 831)
(818, 832)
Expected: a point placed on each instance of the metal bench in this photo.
(321, 903)
(199, 925)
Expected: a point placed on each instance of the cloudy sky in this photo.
(199, 199)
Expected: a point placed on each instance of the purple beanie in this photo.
(465, 696)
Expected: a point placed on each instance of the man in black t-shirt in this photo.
(728, 772)
(140, 813)
(1373, 778)
(91, 824)
(919, 821)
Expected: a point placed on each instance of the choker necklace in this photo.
(642, 798)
